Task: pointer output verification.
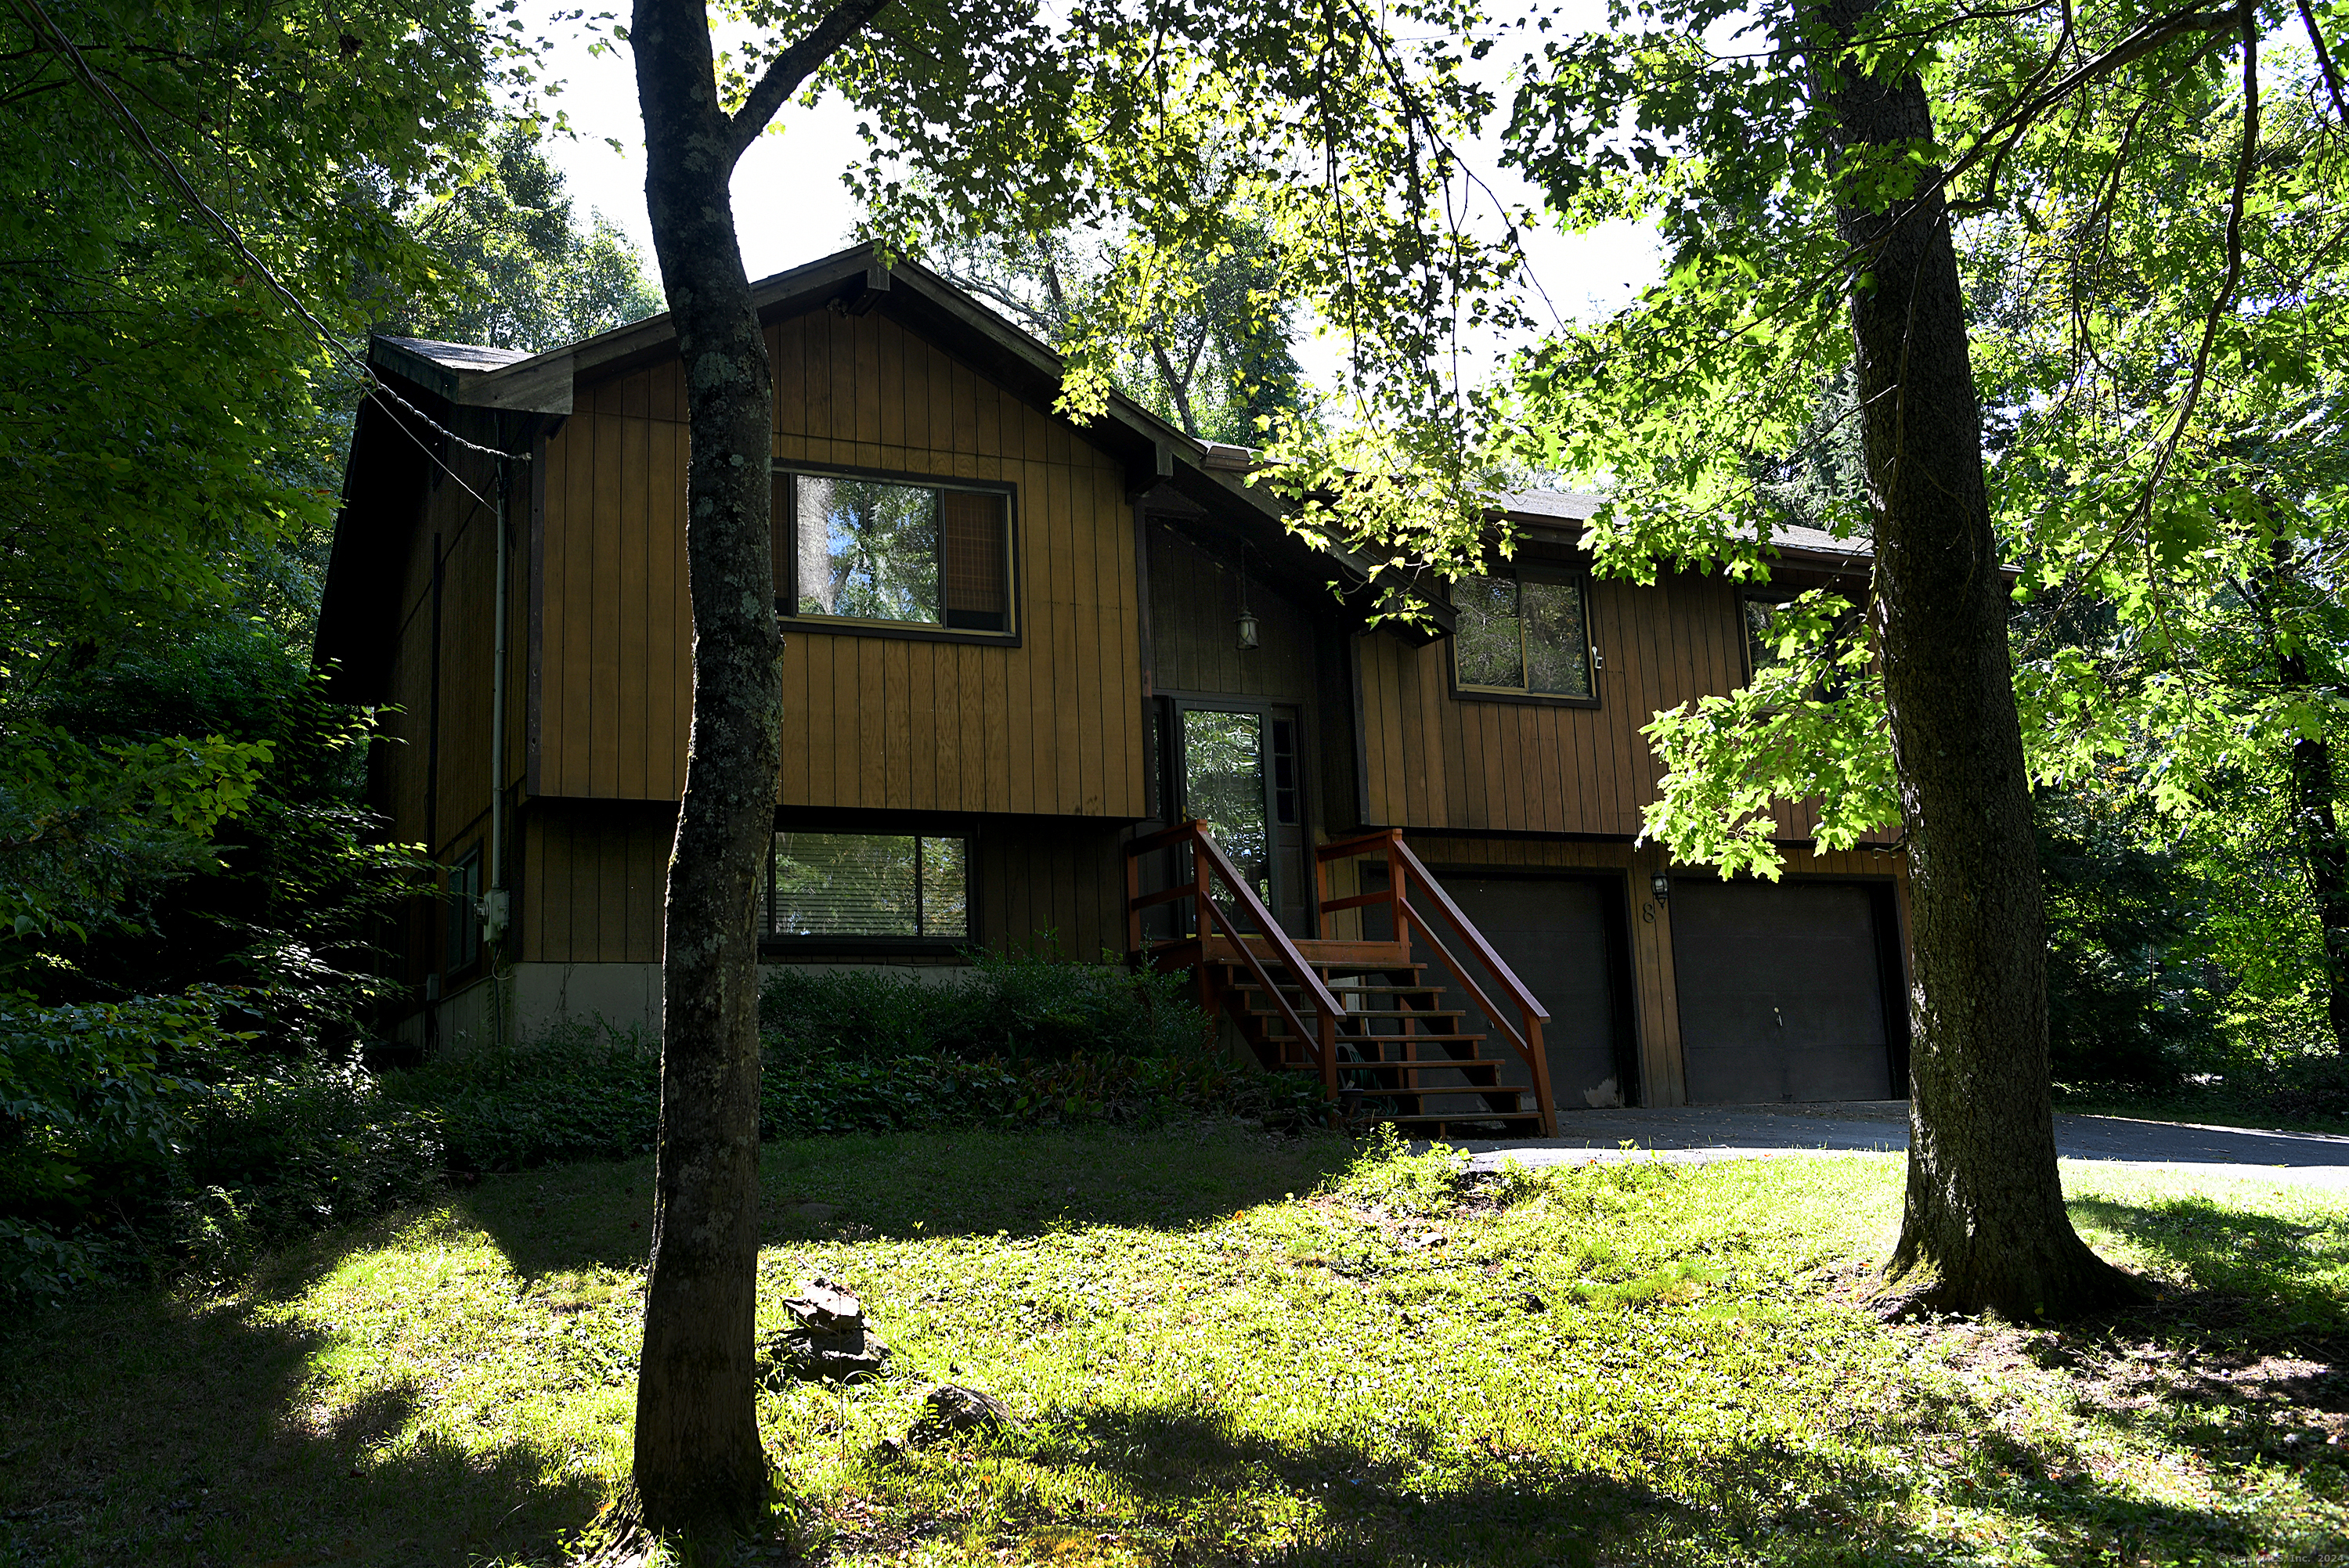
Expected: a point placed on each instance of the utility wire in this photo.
(139, 136)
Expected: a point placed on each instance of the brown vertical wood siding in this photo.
(1051, 726)
(594, 877)
(444, 805)
(1433, 760)
(1195, 607)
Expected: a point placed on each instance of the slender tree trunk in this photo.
(698, 1462)
(2327, 862)
(2316, 828)
(1177, 387)
(1985, 1226)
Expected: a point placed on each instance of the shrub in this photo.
(201, 1173)
(1015, 1007)
(573, 1093)
(301, 1147)
(1387, 1173)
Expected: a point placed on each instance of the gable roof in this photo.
(385, 471)
(385, 474)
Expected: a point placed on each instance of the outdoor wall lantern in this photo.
(1247, 616)
(1661, 886)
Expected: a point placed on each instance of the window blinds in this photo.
(866, 884)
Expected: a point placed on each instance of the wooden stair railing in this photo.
(1208, 860)
(1404, 867)
(1440, 1057)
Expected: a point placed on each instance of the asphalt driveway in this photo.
(1703, 1133)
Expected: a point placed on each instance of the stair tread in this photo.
(1377, 1018)
(1393, 1067)
(1440, 1121)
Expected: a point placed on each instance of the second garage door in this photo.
(1782, 992)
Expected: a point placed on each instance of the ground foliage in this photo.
(1224, 1348)
(158, 1141)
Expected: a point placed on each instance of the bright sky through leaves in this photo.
(790, 207)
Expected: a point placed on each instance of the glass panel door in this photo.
(1224, 788)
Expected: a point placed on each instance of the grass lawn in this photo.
(1227, 1348)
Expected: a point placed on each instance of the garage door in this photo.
(1780, 993)
(1559, 936)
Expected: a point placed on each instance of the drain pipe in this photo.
(494, 901)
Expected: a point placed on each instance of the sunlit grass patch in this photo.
(1224, 1348)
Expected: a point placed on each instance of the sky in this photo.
(790, 208)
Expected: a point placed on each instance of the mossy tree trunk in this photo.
(1984, 1227)
(699, 1463)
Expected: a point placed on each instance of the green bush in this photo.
(196, 1180)
(573, 1093)
(302, 1147)
(1010, 1041)
(1014, 1007)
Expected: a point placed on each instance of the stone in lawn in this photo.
(952, 1410)
(832, 1340)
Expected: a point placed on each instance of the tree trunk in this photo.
(2327, 860)
(700, 1466)
(1984, 1227)
(2316, 829)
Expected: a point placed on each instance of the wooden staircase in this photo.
(1364, 1016)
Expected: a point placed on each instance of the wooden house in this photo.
(1021, 653)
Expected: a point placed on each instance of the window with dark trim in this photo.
(1760, 636)
(866, 885)
(464, 912)
(1527, 634)
(891, 553)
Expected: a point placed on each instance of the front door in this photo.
(1239, 772)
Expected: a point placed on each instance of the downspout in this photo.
(435, 943)
(495, 901)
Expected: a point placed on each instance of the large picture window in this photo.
(1526, 636)
(886, 552)
(866, 884)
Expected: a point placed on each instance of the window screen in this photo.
(1523, 635)
(866, 884)
(907, 555)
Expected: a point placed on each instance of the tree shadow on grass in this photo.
(1025, 1183)
(1195, 1475)
(2301, 1268)
(156, 1428)
(581, 1217)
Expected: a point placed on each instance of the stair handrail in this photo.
(1529, 1043)
(1518, 991)
(1206, 855)
(1387, 839)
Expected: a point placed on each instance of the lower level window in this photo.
(866, 884)
(465, 912)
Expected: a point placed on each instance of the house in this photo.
(1019, 654)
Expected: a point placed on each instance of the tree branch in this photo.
(2137, 46)
(787, 70)
(2324, 61)
(2244, 163)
